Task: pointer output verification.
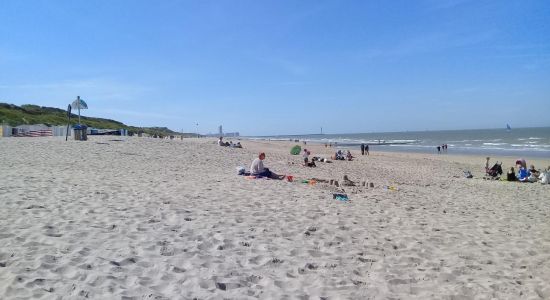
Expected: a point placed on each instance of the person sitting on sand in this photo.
(523, 174)
(339, 155)
(511, 175)
(257, 168)
(349, 156)
(238, 145)
(534, 171)
(521, 163)
(545, 176)
(220, 142)
(533, 174)
(305, 155)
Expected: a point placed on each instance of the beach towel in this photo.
(340, 197)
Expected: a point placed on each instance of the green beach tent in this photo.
(295, 150)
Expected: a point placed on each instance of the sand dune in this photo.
(157, 219)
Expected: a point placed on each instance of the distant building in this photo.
(227, 134)
(231, 134)
(98, 131)
(220, 130)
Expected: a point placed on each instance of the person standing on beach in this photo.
(306, 157)
(438, 149)
(362, 149)
(367, 149)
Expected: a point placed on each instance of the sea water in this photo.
(530, 142)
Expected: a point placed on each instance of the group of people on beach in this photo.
(229, 144)
(305, 156)
(442, 148)
(341, 155)
(365, 149)
(523, 174)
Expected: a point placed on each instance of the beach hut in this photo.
(34, 130)
(6, 130)
(60, 130)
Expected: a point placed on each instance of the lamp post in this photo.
(197, 124)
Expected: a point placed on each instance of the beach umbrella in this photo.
(295, 150)
(80, 104)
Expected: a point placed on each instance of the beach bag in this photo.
(544, 178)
(241, 170)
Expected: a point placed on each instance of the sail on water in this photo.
(508, 128)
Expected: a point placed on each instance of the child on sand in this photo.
(305, 155)
(511, 175)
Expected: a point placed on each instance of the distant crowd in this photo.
(229, 144)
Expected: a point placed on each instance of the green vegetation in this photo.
(33, 114)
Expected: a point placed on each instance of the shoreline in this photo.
(453, 151)
(532, 142)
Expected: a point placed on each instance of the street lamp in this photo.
(197, 124)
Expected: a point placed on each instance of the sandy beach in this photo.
(142, 218)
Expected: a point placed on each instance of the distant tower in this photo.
(220, 130)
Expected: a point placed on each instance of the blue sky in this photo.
(283, 67)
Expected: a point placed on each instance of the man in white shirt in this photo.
(257, 168)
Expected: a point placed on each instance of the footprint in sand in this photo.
(124, 262)
(178, 270)
(51, 231)
(167, 250)
(311, 266)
